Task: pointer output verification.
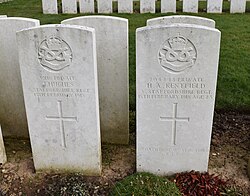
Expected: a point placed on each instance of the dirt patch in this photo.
(228, 158)
(230, 148)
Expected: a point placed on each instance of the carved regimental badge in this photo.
(177, 54)
(54, 54)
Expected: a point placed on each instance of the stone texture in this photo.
(59, 76)
(168, 6)
(87, 6)
(125, 6)
(190, 6)
(237, 6)
(104, 6)
(167, 20)
(214, 6)
(69, 6)
(12, 110)
(176, 73)
(112, 61)
(3, 157)
(147, 6)
(49, 6)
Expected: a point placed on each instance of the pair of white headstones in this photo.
(64, 68)
(55, 79)
(176, 76)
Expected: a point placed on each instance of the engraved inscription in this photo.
(157, 87)
(174, 151)
(61, 120)
(54, 54)
(177, 54)
(174, 120)
(60, 86)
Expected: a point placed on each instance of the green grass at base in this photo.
(145, 184)
(233, 90)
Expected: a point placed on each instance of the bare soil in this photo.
(228, 158)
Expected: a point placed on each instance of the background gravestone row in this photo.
(146, 6)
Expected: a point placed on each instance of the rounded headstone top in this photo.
(183, 19)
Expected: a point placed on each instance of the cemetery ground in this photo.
(228, 159)
(231, 129)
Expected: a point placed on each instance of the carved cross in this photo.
(174, 119)
(62, 119)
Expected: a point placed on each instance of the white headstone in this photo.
(214, 6)
(168, 6)
(147, 6)
(104, 6)
(12, 110)
(176, 74)
(49, 6)
(69, 6)
(125, 6)
(87, 6)
(112, 61)
(59, 76)
(168, 20)
(237, 6)
(190, 6)
(3, 157)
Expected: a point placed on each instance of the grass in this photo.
(233, 92)
(145, 184)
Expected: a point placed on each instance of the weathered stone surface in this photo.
(168, 6)
(167, 20)
(59, 76)
(12, 110)
(176, 74)
(87, 6)
(214, 6)
(112, 61)
(104, 6)
(125, 6)
(49, 6)
(147, 6)
(3, 157)
(190, 6)
(69, 6)
(237, 6)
